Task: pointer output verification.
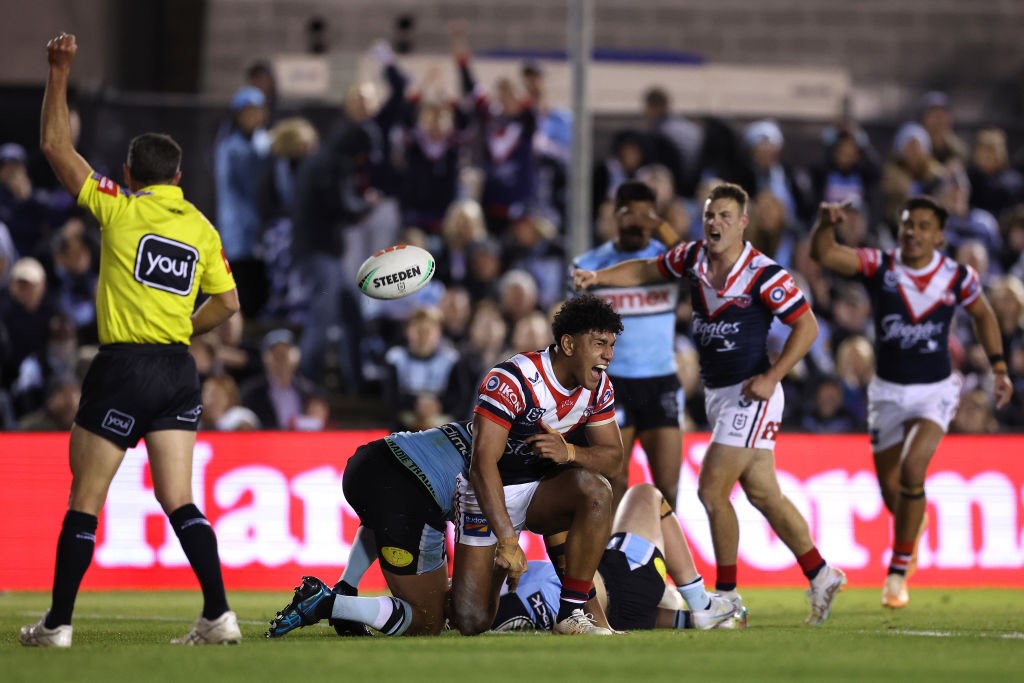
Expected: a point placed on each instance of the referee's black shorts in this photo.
(133, 389)
(648, 402)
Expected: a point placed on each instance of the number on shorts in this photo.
(771, 430)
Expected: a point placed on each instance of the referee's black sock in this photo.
(74, 553)
(200, 546)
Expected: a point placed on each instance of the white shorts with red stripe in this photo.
(740, 422)
(892, 406)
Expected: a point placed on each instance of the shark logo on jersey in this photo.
(165, 264)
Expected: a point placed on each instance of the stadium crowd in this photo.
(479, 178)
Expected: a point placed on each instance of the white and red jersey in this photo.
(730, 325)
(522, 395)
(913, 310)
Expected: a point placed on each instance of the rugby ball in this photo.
(395, 272)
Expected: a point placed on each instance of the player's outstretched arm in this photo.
(54, 122)
(625, 274)
(986, 328)
(824, 248)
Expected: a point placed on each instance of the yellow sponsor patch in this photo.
(659, 564)
(397, 557)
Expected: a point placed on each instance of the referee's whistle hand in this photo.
(61, 50)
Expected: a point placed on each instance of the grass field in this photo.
(945, 635)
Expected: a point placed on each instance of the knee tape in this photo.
(912, 491)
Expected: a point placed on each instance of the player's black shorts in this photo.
(633, 594)
(133, 389)
(407, 522)
(648, 402)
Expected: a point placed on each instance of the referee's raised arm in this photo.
(54, 127)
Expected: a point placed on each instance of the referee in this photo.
(157, 251)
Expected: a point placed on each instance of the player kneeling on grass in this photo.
(646, 544)
(402, 488)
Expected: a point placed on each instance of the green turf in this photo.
(945, 635)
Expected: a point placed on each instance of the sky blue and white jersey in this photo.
(645, 347)
(540, 590)
(436, 456)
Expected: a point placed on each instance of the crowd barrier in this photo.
(276, 502)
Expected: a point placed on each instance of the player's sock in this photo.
(811, 563)
(74, 553)
(695, 594)
(902, 551)
(362, 555)
(390, 616)
(726, 578)
(556, 553)
(200, 545)
(575, 593)
(682, 619)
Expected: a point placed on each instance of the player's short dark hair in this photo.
(926, 202)
(153, 159)
(633, 191)
(730, 191)
(656, 97)
(584, 314)
(260, 67)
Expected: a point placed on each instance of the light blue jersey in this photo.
(436, 456)
(645, 347)
(540, 590)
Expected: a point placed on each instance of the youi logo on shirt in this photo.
(165, 264)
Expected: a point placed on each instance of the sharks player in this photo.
(646, 544)
(648, 398)
(914, 290)
(736, 291)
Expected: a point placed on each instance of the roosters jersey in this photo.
(730, 325)
(645, 347)
(523, 395)
(913, 310)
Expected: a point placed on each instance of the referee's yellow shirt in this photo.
(157, 251)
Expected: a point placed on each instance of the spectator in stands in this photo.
(1011, 255)
(463, 224)
(937, 120)
(849, 174)
(826, 412)
(675, 142)
(517, 295)
(291, 141)
(25, 313)
(965, 223)
(770, 231)
(855, 367)
(486, 341)
(484, 269)
(995, 186)
(279, 397)
(27, 212)
(974, 415)
(222, 406)
(667, 203)
(260, 74)
(426, 385)
(765, 170)
(851, 312)
(628, 154)
(552, 146)
(240, 159)
(532, 245)
(75, 278)
(58, 356)
(1006, 293)
(911, 170)
(456, 312)
(57, 414)
(508, 122)
(530, 333)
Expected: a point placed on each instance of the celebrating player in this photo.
(912, 399)
(646, 544)
(736, 291)
(647, 391)
(523, 473)
(157, 251)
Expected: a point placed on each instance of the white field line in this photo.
(129, 617)
(1013, 635)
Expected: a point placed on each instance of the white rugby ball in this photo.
(395, 272)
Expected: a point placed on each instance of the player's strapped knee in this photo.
(666, 509)
(911, 491)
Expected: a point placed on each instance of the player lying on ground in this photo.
(646, 544)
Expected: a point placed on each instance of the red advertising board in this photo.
(276, 502)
